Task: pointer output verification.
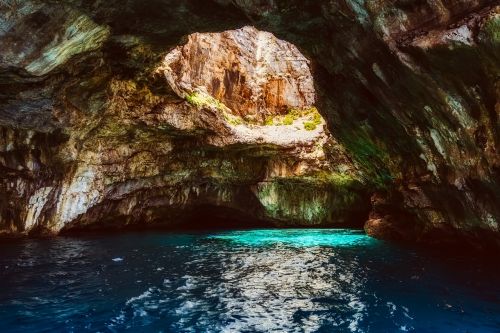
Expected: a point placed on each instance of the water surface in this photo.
(242, 281)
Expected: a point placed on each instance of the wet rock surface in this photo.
(93, 134)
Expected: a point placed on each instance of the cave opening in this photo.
(250, 76)
(250, 98)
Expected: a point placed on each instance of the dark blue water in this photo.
(242, 281)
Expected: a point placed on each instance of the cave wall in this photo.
(409, 90)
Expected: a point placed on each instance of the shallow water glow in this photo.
(291, 280)
(297, 237)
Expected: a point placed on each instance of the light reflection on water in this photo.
(297, 237)
(240, 281)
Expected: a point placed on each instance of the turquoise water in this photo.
(242, 281)
(296, 238)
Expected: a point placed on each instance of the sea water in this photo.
(266, 280)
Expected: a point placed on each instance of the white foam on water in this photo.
(142, 296)
(190, 283)
(358, 316)
(186, 307)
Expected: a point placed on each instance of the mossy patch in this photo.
(288, 120)
(201, 100)
(322, 197)
(269, 121)
(315, 120)
(232, 119)
(312, 118)
(309, 126)
(490, 31)
(374, 160)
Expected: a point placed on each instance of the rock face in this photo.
(158, 158)
(107, 118)
(252, 72)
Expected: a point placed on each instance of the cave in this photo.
(98, 119)
(278, 159)
(226, 121)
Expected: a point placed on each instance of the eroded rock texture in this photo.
(250, 71)
(93, 134)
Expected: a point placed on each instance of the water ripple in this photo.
(240, 281)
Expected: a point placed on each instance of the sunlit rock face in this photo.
(252, 72)
(259, 89)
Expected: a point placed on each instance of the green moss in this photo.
(269, 121)
(232, 119)
(284, 202)
(330, 178)
(293, 114)
(201, 100)
(316, 118)
(490, 31)
(322, 197)
(310, 126)
(372, 157)
(340, 179)
(288, 119)
(301, 112)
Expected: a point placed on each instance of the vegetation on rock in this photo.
(201, 100)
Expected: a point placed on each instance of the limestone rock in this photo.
(252, 72)
(58, 34)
